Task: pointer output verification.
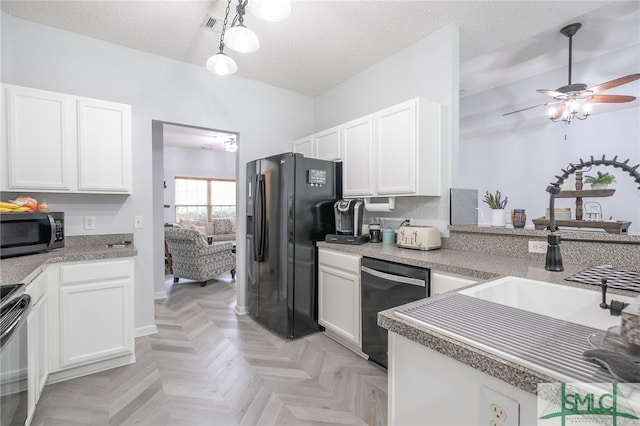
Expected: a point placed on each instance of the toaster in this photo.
(419, 237)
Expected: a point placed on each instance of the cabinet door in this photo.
(329, 145)
(104, 146)
(39, 133)
(96, 311)
(305, 147)
(358, 157)
(37, 329)
(395, 140)
(339, 303)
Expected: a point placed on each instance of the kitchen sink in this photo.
(572, 304)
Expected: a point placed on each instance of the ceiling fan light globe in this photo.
(270, 10)
(221, 64)
(241, 39)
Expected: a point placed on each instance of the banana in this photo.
(10, 206)
(5, 210)
(21, 209)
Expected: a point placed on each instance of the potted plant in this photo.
(600, 181)
(497, 205)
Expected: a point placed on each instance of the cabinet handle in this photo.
(394, 278)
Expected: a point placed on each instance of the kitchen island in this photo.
(435, 378)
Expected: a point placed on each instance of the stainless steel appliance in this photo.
(14, 309)
(385, 285)
(349, 215)
(289, 207)
(27, 233)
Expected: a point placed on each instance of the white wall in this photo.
(428, 69)
(520, 154)
(268, 119)
(193, 162)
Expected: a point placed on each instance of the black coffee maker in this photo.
(349, 215)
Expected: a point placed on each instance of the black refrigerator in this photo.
(289, 207)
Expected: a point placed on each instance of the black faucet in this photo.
(553, 260)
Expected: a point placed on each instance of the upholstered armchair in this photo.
(193, 258)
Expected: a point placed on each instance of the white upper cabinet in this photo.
(39, 129)
(396, 143)
(104, 146)
(61, 143)
(408, 147)
(393, 152)
(325, 145)
(305, 147)
(329, 144)
(357, 157)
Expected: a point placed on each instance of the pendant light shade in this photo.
(221, 64)
(270, 10)
(241, 39)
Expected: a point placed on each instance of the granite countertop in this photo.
(481, 266)
(478, 265)
(20, 269)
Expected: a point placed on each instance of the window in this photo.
(202, 199)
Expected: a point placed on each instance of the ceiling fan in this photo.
(574, 100)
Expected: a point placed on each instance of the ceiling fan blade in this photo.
(612, 99)
(551, 93)
(615, 83)
(532, 107)
(523, 109)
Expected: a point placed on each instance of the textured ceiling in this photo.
(325, 42)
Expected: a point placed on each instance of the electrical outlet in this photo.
(137, 222)
(89, 222)
(498, 410)
(537, 246)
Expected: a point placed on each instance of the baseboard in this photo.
(92, 368)
(145, 331)
(160, 295)
(241, 310)
(346, 343)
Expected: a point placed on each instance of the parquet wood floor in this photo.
(209, 366)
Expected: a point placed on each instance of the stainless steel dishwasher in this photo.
(385, 285)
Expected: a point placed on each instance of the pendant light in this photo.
(220, 63)
(239, 37)
(270, 10)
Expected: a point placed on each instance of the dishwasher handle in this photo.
(394, 278)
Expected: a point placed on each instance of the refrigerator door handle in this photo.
(260, 222)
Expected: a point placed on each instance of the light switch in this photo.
(137, 222)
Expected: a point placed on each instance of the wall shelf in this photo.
(611, 226)
(591, 193)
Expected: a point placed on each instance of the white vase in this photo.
(599, 185)
(498, 217)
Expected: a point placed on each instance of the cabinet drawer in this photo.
(82, 272)
(334, 259)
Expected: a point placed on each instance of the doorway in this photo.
(182, 150)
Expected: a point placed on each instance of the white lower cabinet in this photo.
(444, 283)
(37, 352)
(339, 297)
(92, 326)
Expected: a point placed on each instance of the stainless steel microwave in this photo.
(28, 233)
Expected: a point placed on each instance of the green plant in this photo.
(495, 201)
(600, 178)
